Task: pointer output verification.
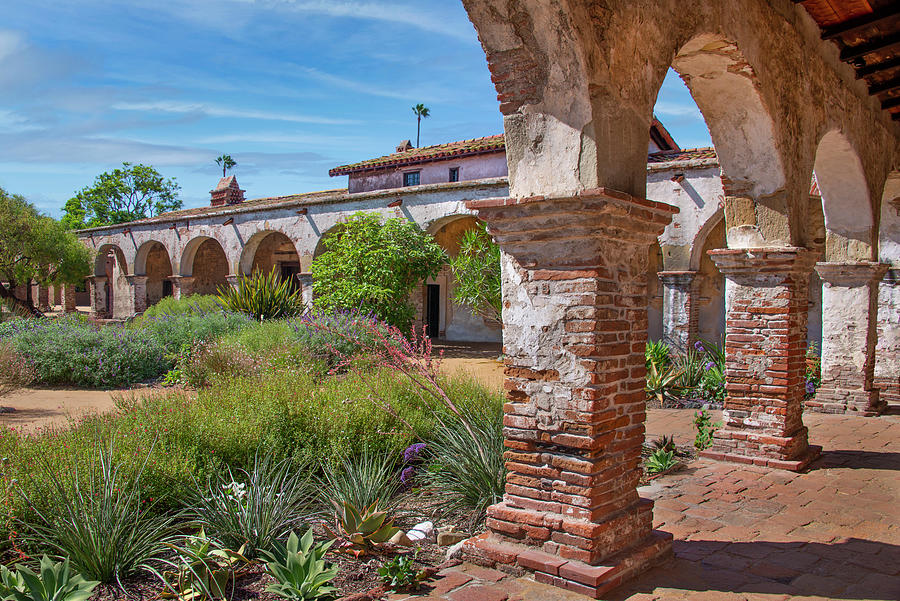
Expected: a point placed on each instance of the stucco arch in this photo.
(268, 242)
(105, 252)
(320, 245)
(697, 246)
(204, 259)
(846, 202)
(140, 257)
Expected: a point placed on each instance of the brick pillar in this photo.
(68, 298)
(137, 286)
(99, 306)
(182, 285)
(849, 312)
(680, 307)
(233, 280)
(887, 350)
(575, 326)
(765, 357)
(306, 288)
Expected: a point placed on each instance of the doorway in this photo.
(433, 310)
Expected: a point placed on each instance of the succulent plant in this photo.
(363, 529)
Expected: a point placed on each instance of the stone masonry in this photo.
(849, 302)
(680, 305)
(765, 349)
(887, 351)
(575, 326)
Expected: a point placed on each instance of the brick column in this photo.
(43, 298)
(680, 310)
(887, 349)
(575, 326)
(68, 298)
(765, 357)
(182, 285)
(849, 312)
(137, 285)
(233, 280)
(99, 306)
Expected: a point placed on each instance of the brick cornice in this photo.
(851, 274)
(756, 261)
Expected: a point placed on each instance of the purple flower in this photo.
(407, 474)
(699, 346)
(412, 452)
(810, 388)
(709, 365)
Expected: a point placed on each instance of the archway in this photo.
(267, 250)
(153, 262)
(443, 317)
(887, 352)
(110, 290)
(204, 260)
(655, 329)
(710, 289)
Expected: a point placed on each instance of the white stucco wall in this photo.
(438, 172)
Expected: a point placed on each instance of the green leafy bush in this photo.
(477, 272)
(195, 304)
(102, 524)
(15, 371)
(54, 581)
(252, 508)
(373, 266)
(705, 429)
(300, 570)
(263, 296)
(399, 573)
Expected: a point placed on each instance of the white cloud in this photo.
(14, 122)
(673, 109)
(220, 111)
(10, 43)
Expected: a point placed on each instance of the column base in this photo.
(792, 465)
(867, 403)
(592, 580)
(888, 390)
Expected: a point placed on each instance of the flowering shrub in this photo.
(15, 371)
(813, 372)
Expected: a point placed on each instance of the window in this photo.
(454, 174)
(411, 179)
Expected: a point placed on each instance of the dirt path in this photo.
(35, 408)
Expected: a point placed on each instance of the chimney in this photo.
(227, 192)
(404, 146)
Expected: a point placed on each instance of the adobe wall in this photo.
(477, 167)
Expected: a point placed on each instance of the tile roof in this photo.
(687, 154)
(426, 154)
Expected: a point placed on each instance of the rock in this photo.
(401, 539)
(455, 552)
(446, 539)
(421, 531)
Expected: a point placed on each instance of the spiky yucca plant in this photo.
(263, 296)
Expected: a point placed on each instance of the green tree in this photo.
(421, 112)
(374, 266)
(477, 272)
(226, 162)
(36, 248)
(121, 195)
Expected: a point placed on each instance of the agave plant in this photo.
(300, 569)
(662, 382)
(666, 442)
(55, 582)
(263, 296)
(363, 529)
(660, 461)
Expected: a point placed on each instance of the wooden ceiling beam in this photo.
(888, 85)
(885, 43)
(868, 70)
(890, 103)
(854, 25)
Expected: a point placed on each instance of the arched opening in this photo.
(152, 260)
(205, 261)
(110, 296)
(710, 287)
(846, 203)
(655, 329)
(887, 351)
(269, 250)
(443, 317)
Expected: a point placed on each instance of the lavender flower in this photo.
(412, 452)
(709, 365)
(407, 475)
(699, 347)
(810, 388)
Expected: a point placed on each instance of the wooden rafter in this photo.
(855, 25)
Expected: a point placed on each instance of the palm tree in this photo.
(226, 162)
(421, 112)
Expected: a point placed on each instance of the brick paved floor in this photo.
(747, 533)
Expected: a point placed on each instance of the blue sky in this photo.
(289, 88)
